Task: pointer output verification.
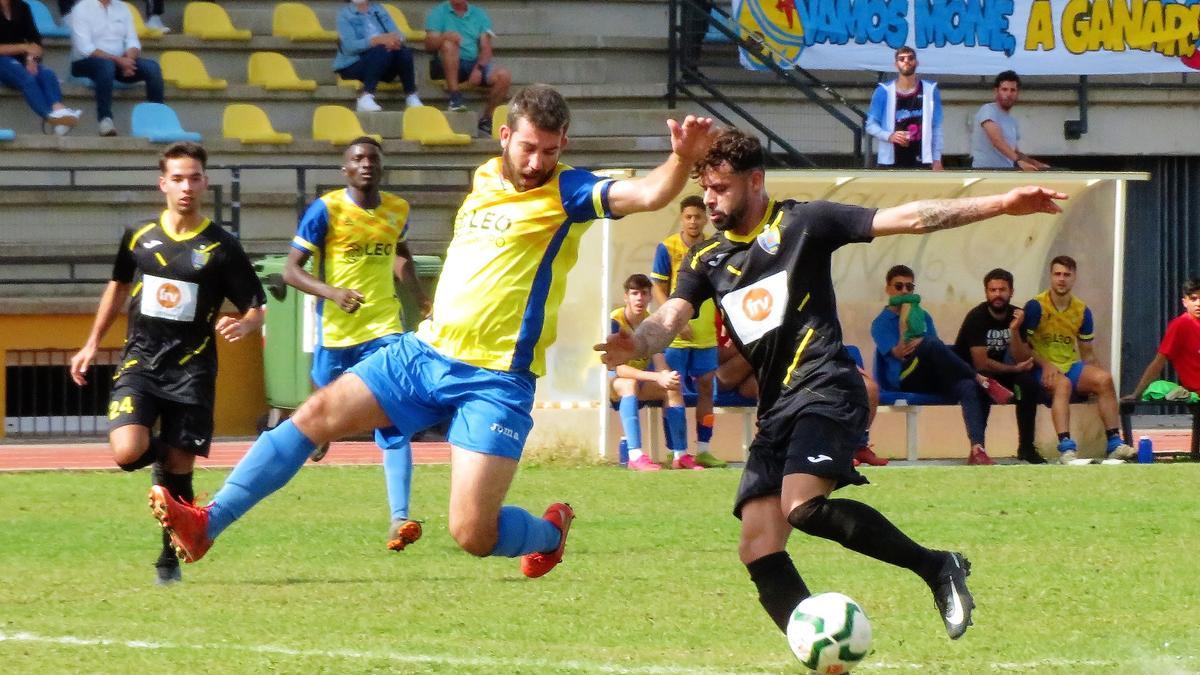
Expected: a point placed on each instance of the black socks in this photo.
(780, 587)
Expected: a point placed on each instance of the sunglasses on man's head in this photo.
(904, 286)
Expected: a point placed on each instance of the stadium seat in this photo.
(274, 72)
(249, 124)
(356, 85)
(428, 126)
(139, 25)
(158, 123)
(499, 119)
(715, 36)
(298, 22)
(208, 21)
(44, 21)
(185, 70)
(338, 125)
(7, 134)
(402, 23)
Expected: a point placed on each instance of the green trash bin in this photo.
(428, 268)
(288, 337)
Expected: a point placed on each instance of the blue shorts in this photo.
(691, 362)
(329, 364)
(418, 387)
(1073, 373)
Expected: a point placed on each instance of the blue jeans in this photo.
(379, 64)
(941, 371)
(41, 91)
(103, 72)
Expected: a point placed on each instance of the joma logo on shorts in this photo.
(505, 431)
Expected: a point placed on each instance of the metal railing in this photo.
(42, 401)
(686, 77)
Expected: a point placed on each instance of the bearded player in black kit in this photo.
(768, 267)
(176, 270)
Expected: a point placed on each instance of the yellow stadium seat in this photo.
(298, 22)
(186, 71)
(428, 126)
(274, 72)
(356, 85)
(249, 124)
(139, 24)
(402, 23)
(338, 125)
(499, 119)
(208, 21)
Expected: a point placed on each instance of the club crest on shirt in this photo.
(769, 240)
(200, 258)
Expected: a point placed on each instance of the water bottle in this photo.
(1145, 450)
(623, 453)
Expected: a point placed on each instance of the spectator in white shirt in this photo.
(104, 48)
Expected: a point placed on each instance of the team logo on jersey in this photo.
(168, 296)
(200, 258)
(769, 240)
(757, 309)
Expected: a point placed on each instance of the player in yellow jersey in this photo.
(357, 235)
(693, 354)
(1058, 327)
(477, 357)
(635, 381)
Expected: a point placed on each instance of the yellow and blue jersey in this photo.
(505, 273)
(1053, 334)
(353, 247)
(667, 258)
(620, 324)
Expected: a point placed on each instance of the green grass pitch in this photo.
(1076, 570)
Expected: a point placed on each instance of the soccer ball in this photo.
(829, 633)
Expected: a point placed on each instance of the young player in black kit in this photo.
(769, 270)
(176, 271)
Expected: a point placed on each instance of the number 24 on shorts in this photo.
(116, 408)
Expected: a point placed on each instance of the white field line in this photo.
(495, 663)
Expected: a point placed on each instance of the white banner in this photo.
(977, 37)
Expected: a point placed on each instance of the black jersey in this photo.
(775, 291)
(179, 286)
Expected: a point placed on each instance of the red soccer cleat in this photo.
(998, 392)
(403, 533)
(979, 456)
(686, 461)
(535, 565)
(865, 455)
(186, 523)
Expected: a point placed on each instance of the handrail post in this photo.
(235, 200)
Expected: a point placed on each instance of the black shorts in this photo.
(814, 444)
(187, 426)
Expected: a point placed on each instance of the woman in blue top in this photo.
(21, 67)
(371, 49)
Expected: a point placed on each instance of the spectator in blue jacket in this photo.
(927, 365)
(371, 49)
(905, 118)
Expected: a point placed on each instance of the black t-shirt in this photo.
(775, 291)
(20, 29)
(981, 329)
(908, 118)
(179, 286)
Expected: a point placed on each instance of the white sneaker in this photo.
(64, 117)
(61, 130)
(107, 128)
(1071, 458)
(155, 22)
(366, 103)
(412, 101)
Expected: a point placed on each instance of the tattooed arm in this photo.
(931, 215)
(651, 337)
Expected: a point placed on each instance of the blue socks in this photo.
(675, 420)
(271, 462)
(704, 429)
(520, 532)
(397, 470)
(629, 421)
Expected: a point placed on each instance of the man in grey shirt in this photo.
(995, 135)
